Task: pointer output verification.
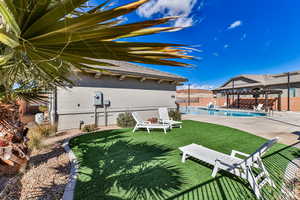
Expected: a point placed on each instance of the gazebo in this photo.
(255, 93)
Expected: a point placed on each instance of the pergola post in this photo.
(238, 101)
(266, 101)
(279, 102)
(227, 100)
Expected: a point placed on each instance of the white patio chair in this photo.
(210, 105)
(259, 107)
(165, 119)
(240, 167)
(140, 123)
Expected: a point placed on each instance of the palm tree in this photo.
(43, 38)
(43, 41)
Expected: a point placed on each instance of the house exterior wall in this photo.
(128, 95)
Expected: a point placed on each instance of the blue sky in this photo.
(235, 37)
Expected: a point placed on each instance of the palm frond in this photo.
(46, 40)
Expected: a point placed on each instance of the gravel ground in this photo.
(46, 177)
(47, 173)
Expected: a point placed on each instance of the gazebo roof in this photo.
(251, 92)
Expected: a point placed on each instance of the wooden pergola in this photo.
(255, 93)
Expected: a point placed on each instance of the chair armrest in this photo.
(164, 121)
(234, 152)
(144, 123)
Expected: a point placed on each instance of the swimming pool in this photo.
(206, 111)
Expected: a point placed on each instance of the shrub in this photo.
(47, 130)
(89, 128)
(125, 120)
(43, 108)
(35, 138)
(38, 133)
(175, 115)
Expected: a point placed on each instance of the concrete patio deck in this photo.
(285, 125)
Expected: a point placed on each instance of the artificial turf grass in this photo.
(120, 164)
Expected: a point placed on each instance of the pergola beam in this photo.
(256, 92)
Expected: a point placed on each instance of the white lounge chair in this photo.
(237, 166)
(140, 123)
(165, 119)
(210, 105)
(259, 107)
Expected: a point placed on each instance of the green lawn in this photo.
(120, 164)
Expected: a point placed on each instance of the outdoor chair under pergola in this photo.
(255, 93)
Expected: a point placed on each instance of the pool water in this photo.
(206, 111)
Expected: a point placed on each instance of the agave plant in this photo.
(47, 39)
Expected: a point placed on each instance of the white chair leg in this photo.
(165, 130)
(215, 170)
(254, 185)
(148, 130)
(262, 166)
(183, 157)
(134, 129)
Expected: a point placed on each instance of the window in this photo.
(293, 92)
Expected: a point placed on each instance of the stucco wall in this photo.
(76, 103)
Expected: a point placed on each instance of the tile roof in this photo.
(264, 80)
(126, 68)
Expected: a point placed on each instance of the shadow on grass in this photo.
(114, 167)
(227, 186)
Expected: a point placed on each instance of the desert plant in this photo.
(43, 108)
(89, 128)
(38, 133)
(46, 130)
(35, 139)
(175, 115)
(125, 120)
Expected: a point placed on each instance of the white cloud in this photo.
(181, 8)
(197, 86)
(226, 46)
(216, 54)
(235, 24)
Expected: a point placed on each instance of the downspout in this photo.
(232, 93)
(53, 111)
(189, 94)
(289, 88)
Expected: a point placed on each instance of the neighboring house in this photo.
(128, 88)
(194, 97)
(284, 87)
